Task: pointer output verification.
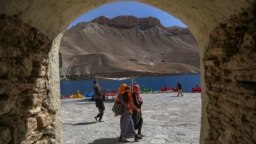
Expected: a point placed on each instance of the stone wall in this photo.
(230, 77)
(54, 87)
(201, 16)
(26, 113)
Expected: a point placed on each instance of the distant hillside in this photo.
(126, 46)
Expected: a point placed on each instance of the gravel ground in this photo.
(167, 120)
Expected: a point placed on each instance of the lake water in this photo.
(155, 83)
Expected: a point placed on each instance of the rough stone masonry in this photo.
(230, 76)
(25, 113)
(28, 114)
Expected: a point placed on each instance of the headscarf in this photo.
(130, 103)
(121, 88)
(136, 89)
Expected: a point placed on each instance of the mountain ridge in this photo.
(109, 49)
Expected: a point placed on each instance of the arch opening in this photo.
(120, 37)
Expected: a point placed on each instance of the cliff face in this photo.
(125, 46)
(129, 22)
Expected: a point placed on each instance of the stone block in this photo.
(230, 28)
(7, 102)
(214, 133)
(19, 66)
(225, 137)
(27, 65)
(38, 57)
(248, 42)
(39, 70)
(39, 83)
(219, 34)
(208, 63)
(44, 61)
(43, 120)
(216, 52)
(9, 51)
(44, 141)
(3, 101)
(32, 138)
(31, 125)
(209, 141)
(37, 99)
(254, 134)
(30, 103)
(34, 111)
(4, 68)
(5, 135)
(48, 130)
(16, 88)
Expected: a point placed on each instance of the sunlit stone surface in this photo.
(167, 120)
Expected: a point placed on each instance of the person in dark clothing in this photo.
(137, 115)
(179, 87)
(98, 101)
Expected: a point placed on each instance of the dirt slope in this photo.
(126, 46)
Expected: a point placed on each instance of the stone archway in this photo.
(225, 32)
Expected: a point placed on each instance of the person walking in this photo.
(126, 122)
(98, 101)
(137, 115)
(179, 87)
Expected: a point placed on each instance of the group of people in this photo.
(131, 116)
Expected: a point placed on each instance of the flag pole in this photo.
(132, 83)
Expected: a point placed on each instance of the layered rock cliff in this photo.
(126, 46)
(129, 22)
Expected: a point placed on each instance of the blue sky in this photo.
(133, 8)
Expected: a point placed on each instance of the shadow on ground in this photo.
(105, 141)
(174, 96)
(84, 123)
(108, 141)
(85, 100)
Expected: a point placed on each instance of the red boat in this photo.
(196, 89)
(110, 93)
(165, 88)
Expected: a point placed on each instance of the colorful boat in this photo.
(196, 89)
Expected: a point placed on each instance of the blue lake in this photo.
(155, 83)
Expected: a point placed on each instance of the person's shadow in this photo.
(105, 141)
(84, 123)
(108, 141)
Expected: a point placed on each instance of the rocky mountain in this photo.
(127, 46)
(129, 22)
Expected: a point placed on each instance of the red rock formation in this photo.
(177, 30)
(129, 22)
